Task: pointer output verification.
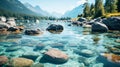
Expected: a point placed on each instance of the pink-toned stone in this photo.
(20, 62)
(3, 60)
(112, 57)
(55, 56)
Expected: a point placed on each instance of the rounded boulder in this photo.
(54, 56)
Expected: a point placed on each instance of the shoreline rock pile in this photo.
(9, 26)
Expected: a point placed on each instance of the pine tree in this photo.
(118, 5)
(92, 10)
(111, 6)
(86, 10)
(99, 8)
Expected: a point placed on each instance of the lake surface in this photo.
(72, 41)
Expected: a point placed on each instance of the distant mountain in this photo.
(55, 14)
(15, 6)
(36, 9)
(74, 12)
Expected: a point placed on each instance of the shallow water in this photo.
(71, 41)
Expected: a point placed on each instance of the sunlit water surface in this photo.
(71, 41)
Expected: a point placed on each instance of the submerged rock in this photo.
(20, 62)
(39, 47)
(114, 50)
(33, 32)
(3, 60)
(109, 60)
(30, 55)
(57, 45)
(12, 48)
(85, 52)
(54, 56)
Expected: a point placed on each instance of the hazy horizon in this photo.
(57, 6)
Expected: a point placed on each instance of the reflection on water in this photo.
(82, 50)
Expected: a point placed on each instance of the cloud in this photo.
(81, 2)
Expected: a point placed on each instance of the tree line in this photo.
(100, 9)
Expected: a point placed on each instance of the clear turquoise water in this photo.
(71, 41)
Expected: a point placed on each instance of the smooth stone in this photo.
(99, 27)
(55, 29)
(113, 23)
(85, 52)
(3, 60)
(20, 62)
(30, 55)
(12, 48)
(57, 45)
(39, 47)
(114, 50)
(109, 60)
(33, 32)
(54, 56)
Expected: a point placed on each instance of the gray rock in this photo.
(99, 27)
(12, 48)
(85, 52)
(13, 29)
(30, 55)
(39, 47)
(82, 19)
(54, 28)
(33, 32)
(113, 23)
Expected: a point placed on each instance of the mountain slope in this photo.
(36, 9)
(74, 12)
(15, 6)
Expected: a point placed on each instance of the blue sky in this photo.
(58, 6)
